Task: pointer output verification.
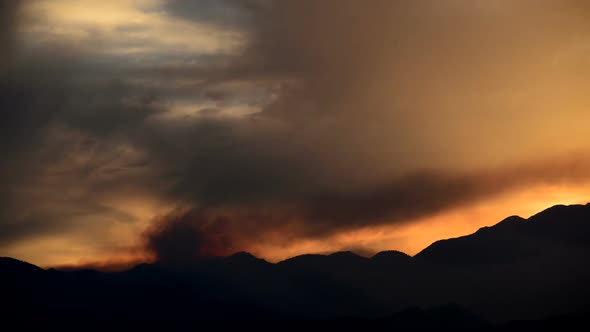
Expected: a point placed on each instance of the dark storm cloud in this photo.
(58, 216)
(222, 161)
(219, 12)
(9, 11)
(51, 88)
(63, 119)
(214, 231)
(429, 192)
(185, 236)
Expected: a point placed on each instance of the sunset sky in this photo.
(135, 130)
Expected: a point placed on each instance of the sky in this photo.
(142, 130)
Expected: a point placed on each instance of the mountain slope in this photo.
(559, 230)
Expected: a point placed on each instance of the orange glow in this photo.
(416, 235)
(410, 237)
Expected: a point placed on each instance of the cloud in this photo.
(291, 120)
(182, 237)
(209, 231)
(8, 19)
(360, 96)
(65, 121)
(224, 13)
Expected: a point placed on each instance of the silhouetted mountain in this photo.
(519, 269)
(15, 267)
(339, 262)
(392, 258)
(560, 230)
(245, 257)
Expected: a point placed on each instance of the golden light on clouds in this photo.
(410, 237)
(415, 235)
(128, 28)
(106, 241)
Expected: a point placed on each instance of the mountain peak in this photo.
(512, 219)
(506, 224)
(390, 254)
(345, 254)
(16, 268)
(517, 239)
(561, 211)
(245, 257)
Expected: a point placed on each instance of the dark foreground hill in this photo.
(520, 273)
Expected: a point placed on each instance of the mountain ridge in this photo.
(516, 269)
(511, 221)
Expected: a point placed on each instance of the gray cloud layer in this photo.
(369, 114)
